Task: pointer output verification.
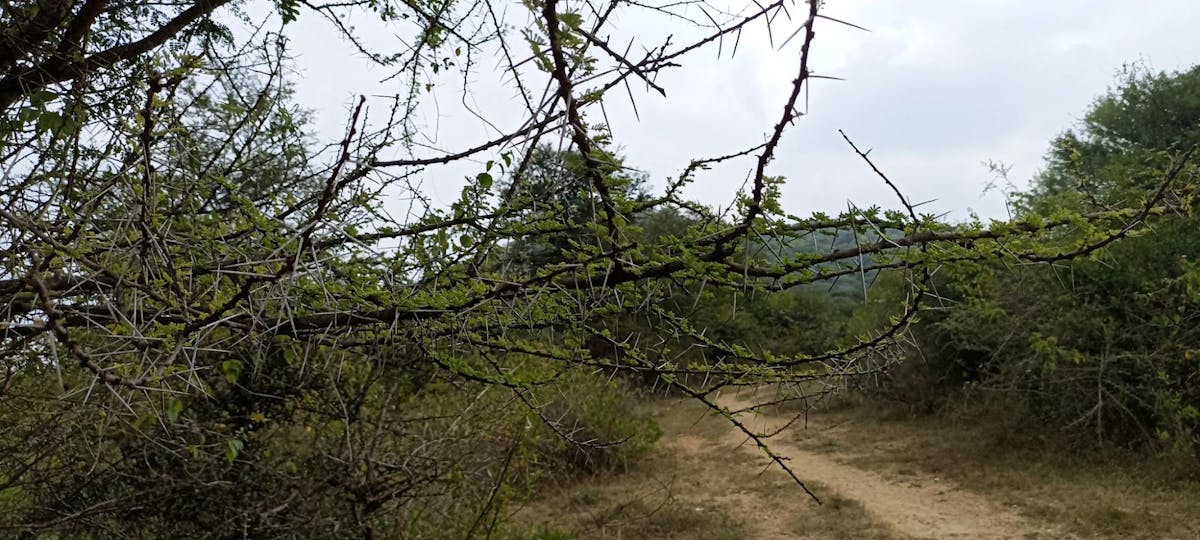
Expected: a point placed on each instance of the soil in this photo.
(916, 505)
(705, 479)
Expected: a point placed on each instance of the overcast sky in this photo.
(935, 88)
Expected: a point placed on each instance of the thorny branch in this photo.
(180, 224)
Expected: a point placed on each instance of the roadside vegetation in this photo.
(1099, 353)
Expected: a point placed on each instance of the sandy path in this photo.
(919, 506)
(707, 475)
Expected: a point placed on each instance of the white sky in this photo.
(935, 88)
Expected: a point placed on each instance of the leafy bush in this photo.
(1100, 351)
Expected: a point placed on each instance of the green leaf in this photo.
(232, 369)
(42, 97)
(573, 20)
(49, 121)
(233, 448)
(289, 10)
(174, 407)
(485, 181)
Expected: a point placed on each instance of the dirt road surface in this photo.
(920, 506)
(705, 479)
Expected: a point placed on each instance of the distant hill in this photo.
(822, 242)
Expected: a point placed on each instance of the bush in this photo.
(598, 416)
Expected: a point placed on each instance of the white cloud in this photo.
(936, 88)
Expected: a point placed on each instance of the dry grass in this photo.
(838, 518)
(1088, 496)
(693, 485)
(689, 487)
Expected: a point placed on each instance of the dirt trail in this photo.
(704, 479)
(920, 506)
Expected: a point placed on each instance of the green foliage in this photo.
(1098, 350)
(555, 192)
(1117, 155)
(289, 10)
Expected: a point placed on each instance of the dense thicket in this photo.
(1102, 350)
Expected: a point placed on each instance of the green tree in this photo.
(1124, 140)
(1101, 346)
(554, 189)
